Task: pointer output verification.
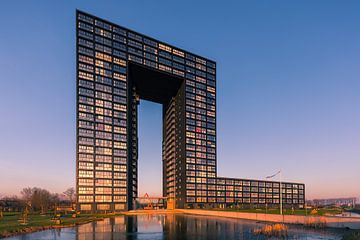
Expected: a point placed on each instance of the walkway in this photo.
(328, 221)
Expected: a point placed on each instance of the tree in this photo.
(55, 199)
(41, 199)
(70, 194)
(12, 203)
(27, 194)
(36, 198)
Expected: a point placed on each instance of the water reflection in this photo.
(172, 226)
(348, 214)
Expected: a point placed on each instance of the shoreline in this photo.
(28, 230)
(313, 221)
(324, 221)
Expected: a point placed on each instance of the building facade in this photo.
(349, 202)
(116, 67)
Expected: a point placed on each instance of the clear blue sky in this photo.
(288, 88)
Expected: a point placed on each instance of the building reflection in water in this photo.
(182, 227)
(110, 228)
(169, 226)
(191, 227)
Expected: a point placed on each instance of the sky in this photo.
(287, 88)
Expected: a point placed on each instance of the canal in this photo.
(173, 226)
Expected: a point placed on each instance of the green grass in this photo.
(10, 223)
(302, 212)
(334, 211)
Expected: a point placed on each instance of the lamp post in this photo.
(281, 202)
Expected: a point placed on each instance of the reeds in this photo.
(274, 230)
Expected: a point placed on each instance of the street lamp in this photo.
(281, 202)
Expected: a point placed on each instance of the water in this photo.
(348, 214)
(172, 226)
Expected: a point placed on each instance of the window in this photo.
(150, 50)
(165, 47)
(103, 56)
(86, 51)
(119, 69)
(86, 59)
(85, 26)
(120, 61)
(103, 198)
(86, 190)
(119, 31)
(83, 174)
(164, 68)
(150, 57)
(178, 53)
(85, 34)
(85, 18)
(100, 63)
(135, 36)
(86, 198)
(86, 84)
(86, 43)
(103, 32)
(102, 24)
(87, 76)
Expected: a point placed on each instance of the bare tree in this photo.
(55, 199)
(37, 198)
(12, 203)
(70, 194)
(41, 199)
(27, 194)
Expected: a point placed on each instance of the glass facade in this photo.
(116, 67)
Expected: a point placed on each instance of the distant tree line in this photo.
(37, 200)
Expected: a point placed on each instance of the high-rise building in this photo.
(116, 67)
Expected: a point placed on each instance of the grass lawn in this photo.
(10, 223)
(302, 212)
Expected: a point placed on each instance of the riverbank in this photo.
(178, 225)
(320, 219)
(151, 212)
(312, 221)
(303, 212)
(10, 225)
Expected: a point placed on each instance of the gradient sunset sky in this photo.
(288, 88)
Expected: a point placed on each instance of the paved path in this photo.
(159, 211)
(329, 221)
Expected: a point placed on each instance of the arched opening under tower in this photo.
(150, 179)
(167, 90)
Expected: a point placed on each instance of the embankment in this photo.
(325, 221)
